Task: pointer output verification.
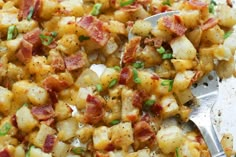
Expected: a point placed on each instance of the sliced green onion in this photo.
(177, 152)
(78, 150)
(54, 34)
(96, 9)
(99, 87)
(227, 34)
(31, 12)
(12, 32)
(126, 2)
(161, 50)
(167, 2)
(5, 129)
(46, 40)
(25, 104)
(117, 68)
(212, 6)
(135, 76)
(112, 83)
(83, 38)
(28, 152)
(114, 122)
(138, 64)
(168, 83)
(166, 56)
(149, 103)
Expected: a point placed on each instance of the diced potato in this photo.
(189, 148)
(110, 47)
(213, 35)
(41, 135)
(162, 88)
(82, 96)
(227, 144)
(5, 100)
(162, 34)
(169, 106)
(87, 78)
(122, 135)
(230, 42)
(226, 15)
(19, 151)
(25, 119)
(114, 105)
(225, 69)
(85, 133)
(128, 111)
(184, 96)
(48, 8)
(37, 95)
(116, 154)
(101, 138)
(183, 80)
(62, 111)
(68, 44)
(67, 129)
(107, 76)
(165, 70)
(73, 7)
(146, 81)
(195, 36)
(67, 77)
(141, 28)
(66, 25)
(183, 48)
(206, 58)
(60, 149)
(170, 138)
(222, 52)
(25, 26)
(36, 152)
(144, 153)
(7, 19)
(14, 45)
(15, 72)
(116, 27)
(190, 18)
(121, 16)
(182, 64)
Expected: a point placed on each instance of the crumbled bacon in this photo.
(125, 76)
(25, 7)
(143, 131)
(53, 96)
(95, 29)
(53, 84)
(99, 154)
(4, 153)
(33, 37)
(196, 4)
(130, 50)
(110, 147)
(13, 121)
(57, 62)
(131, 8)
(48, 122)
(146, 118)
(229, 3)
(156, 42)
(94, 110)
(173, 25)
(156, 108)
(25, 52)
(138, 98)
(49, 143)
(211, 22)
(74, 62)
(155, 77)
(43, 112)
(37, 8)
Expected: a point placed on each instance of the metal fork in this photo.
(206, 93)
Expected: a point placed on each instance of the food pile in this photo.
(52, 104)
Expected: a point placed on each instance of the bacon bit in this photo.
(143, 131)
(95, 29)
(157, 108)
(94, 110)
(229, 3)
(132, 118)
(165, 8)
(53, 96)
(74, 62)
(25, 7)
(25, 52)
(33, 37)
(138, 98)
(211, 22)
(173, 25)
(196, 4)
(143, 2)
(196, 77)
(49, 143)
(131, 8)
(130, 50)
(156, 42)
(53, 84)
(48, 122)
(98, 154)
(13, 121)
(110, 147)
(37, 9)
(146, 118)
(155, 77)
(43, 112)
(125, 76)
(53, 45)
(57, 62)
(5, 153)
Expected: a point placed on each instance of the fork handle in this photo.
(208, 132)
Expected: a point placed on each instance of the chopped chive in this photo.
(114, 122)
(112, 83)
(117, 68)
(12, 32)
(78, 150)
(167, 2)
(99, 87)
(46, 40)
(177, 152)
(161, 50)
(30, 14)
(212, 6)
(138, 64)
(135, 76)
(227, 34)
(28, 152)
(166, 56)
(96, 9)
(83, 38)
(126, 2)
(168, 83)
(25, 104)
(54, 34)
(5, 129)
(149, 103)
